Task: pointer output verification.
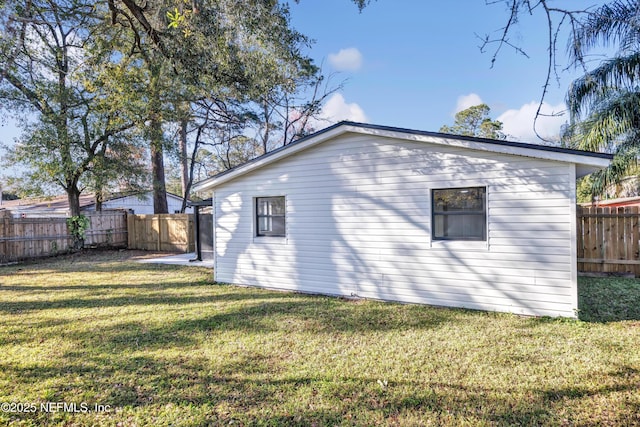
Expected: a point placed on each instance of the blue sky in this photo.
(415, 63)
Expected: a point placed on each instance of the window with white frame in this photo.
(459, 213)
(270, 216)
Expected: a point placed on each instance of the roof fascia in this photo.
(271, 157)
(587, 162)
(518, 149)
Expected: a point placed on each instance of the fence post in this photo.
(131, 227)
(158, 221)
(609, 240)
(5, 234)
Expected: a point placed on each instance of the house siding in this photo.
(142, 206)
(358, 221)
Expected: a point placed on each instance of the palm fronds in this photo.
(614, 24)
(604, 104)
(587, 91)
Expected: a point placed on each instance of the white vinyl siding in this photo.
(358, 223)
(142, 205)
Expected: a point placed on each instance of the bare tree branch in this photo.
(555, 20)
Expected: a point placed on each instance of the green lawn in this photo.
(162, 345)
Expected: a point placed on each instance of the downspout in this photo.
(196, 213)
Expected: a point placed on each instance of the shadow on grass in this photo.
(146, 299)
(90, 266)
(609, 299)
(251, 389)
(149, 366)
(112, 287)
(277, 312)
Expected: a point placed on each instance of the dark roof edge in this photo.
(418, 132)
(279, 149)
(483, 140)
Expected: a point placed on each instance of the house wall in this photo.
(358, 219)
(142, 206)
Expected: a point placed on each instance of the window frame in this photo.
(259, 216)
(480, 213)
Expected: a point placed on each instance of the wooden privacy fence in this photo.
(106, 229)
(163, 232)
(23, 238)
(608, 240)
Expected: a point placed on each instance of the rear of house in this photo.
(385, 213)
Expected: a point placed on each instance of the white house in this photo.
(136, 203)
(396, 214)
(139, 203)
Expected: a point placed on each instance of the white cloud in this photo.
(337, 109)
(349, 59)
(467, 101)
(518, 124)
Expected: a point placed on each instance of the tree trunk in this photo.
(73, 197)
(157, 172)
(156, 137)
(184, 163)
(99, 200)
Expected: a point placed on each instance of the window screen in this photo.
(459, 213)
(270, 216)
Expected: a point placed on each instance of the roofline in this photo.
(484, 140)
(87, 200)
(605, 202)
(270, 154)
(131, 194)
(503, 146)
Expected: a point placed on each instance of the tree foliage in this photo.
(604, 103)
(555, 19)
(216, 61)
(185, 20)
(49, 71)
(105, 83)
(475, 121)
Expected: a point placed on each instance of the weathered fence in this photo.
(608, 240)
(107, 229)
(163, 232)
(22, 238)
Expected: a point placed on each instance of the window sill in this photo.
(270, 240)
(467, 245)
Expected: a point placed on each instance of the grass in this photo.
(162, 345)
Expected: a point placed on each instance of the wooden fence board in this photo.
(164, 232)
(628, 234)
(635, 241)
(582, 226)
(108, 228)
(599, 231)
(608, 240)
(23, 238)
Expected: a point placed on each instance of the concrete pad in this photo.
(178, 259)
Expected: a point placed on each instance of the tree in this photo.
(208, 50)
(285, 113)
(604, 104)
(556, 19)
(475, 121)
(185, 17)
(166, 59)
(44, 71)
